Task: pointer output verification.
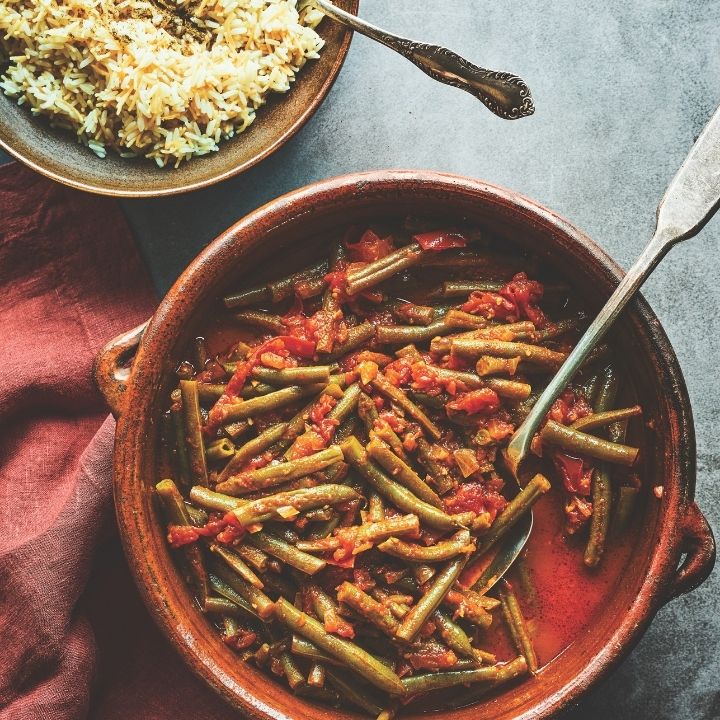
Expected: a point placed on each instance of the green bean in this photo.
(376, 507)
(359, 535)
(271, 401)
(370, 609)
(221, 606)
(600, 520)
(428, 603)
(462, 288)
(375, 425)
(247, 297)
(346, 404)
(176, 514)
(627, 497)
(415, 684)
(256, 389)
(295, 428)
(304, 648)
(258, 600)
(221, 449)
(469, 604)
(289, 554)
(357, 336)
(506, 672)
(286, 505)
(310, 375)
(588, 445)
(255, 557)
(453, 635)
(556, 329)
(357, 696)
(379, 270)
(328, 612)
(510, 331)
(510, 389)
(346, 428)
(262, 319)
(236, 430)
(439, 473)
(517, 625)
(284, 288)
(400, 471)
(603, 419)
(236, 563)
(535, 354)
(292, 672)
(347, 652)
(183, 463)
(316, 675)
(443, 550)
(396, 395)
(208, 393)
(193, 431)
(214, 500)
(398, 495)
(251, 449)
(412, 314)
(489, 365)
(281, 473)
(512, 512)
(324, 529)
(222, 588)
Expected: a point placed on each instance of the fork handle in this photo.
(689, 202)
(502, 93)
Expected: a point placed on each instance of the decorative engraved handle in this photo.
(502, 93)
(691, 199)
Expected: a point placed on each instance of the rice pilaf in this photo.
(167, 79)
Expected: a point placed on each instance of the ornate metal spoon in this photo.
(502, 93)
(690, 201)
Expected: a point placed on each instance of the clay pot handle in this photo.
(112, 367)
(698, 544)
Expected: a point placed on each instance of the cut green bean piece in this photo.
(222, 606)
(251, 449)
(425, 682)
(460, 543)
(600, 520)
(288, 505)
(428, 603)
(453, 635)
(350, 654)
(513, 511)
(370, 609)
(357, 335)
(304, 648)
(263, 320)
(251, 296)
(603, 419)
(220, 450)
(384, 268)
(462, 288)
(193, 431)
(257, 599)
(588, 445)
(214, 500)
(236, 563)
(439, 473)
(222, 588)
(271, 401)
(535, 354)
(293, 376)
(400, 471)
(400, 398)
(516, 625)
(181, 453)
(398, 495)
(210, 392)
(289, 554)
(280, 473)
(176, 513)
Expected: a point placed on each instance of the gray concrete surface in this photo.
(621, 88)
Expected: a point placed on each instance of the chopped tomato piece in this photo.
(475, 497)
(179, 535)
(575, 473)
(369, 247)
(431, 656)
(525, 294)
(438, 240)
(483, 400)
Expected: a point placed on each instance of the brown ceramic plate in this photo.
(667, 528)
(55, 153)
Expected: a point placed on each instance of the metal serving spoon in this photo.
(690, 201)
(502, 93)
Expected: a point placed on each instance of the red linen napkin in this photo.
(75, 640)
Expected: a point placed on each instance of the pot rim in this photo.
(657, 582)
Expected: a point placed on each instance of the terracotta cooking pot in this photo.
(303, 220)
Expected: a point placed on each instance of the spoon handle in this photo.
(689, 202)
(502, 93)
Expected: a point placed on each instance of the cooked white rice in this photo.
(167, 79)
